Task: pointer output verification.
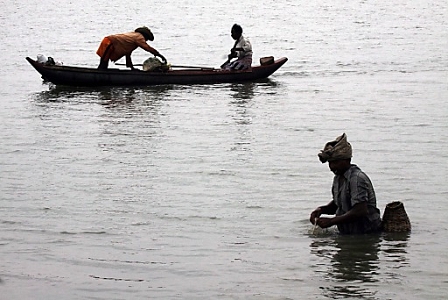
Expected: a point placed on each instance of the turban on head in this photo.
(146, 33)
(336, 150)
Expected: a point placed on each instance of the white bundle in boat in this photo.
(47, 60)
(41, 58)
(151, 64)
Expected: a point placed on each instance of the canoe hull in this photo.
(78, 76)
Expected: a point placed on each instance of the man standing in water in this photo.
(354, 201)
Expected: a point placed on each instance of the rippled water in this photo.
(204, 192)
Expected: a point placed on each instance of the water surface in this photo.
(204, 192)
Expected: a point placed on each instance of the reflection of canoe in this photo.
(78, 76)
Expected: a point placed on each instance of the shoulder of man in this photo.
(356, 172)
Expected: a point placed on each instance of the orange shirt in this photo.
(124, 44)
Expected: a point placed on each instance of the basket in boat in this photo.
(395, 218)
(268, 60)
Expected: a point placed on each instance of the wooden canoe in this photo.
(80, 76)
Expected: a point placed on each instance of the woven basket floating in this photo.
(395, 218)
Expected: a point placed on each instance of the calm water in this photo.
(204, 192)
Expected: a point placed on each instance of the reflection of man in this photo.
(349, 264)
(354, 201)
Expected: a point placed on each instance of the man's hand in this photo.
(325, 222)
(315, 214)
(163, 59)
(233, 53)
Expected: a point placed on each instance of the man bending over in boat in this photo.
(114, 47)
(242, 50)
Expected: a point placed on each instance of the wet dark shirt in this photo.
(355, 187)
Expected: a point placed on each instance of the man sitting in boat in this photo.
(114, 47)
(242, 50)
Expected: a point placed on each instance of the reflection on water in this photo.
(243, 112)
(351, 263)
(62, 93)
(243, 117)
(394, 255)
(117, 95)
(243, 90)
(105, 95)
(248, 90)
(118, 112)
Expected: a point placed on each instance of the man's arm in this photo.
(129, 62)
(150, 49)
(329, 209)
(358, 210)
